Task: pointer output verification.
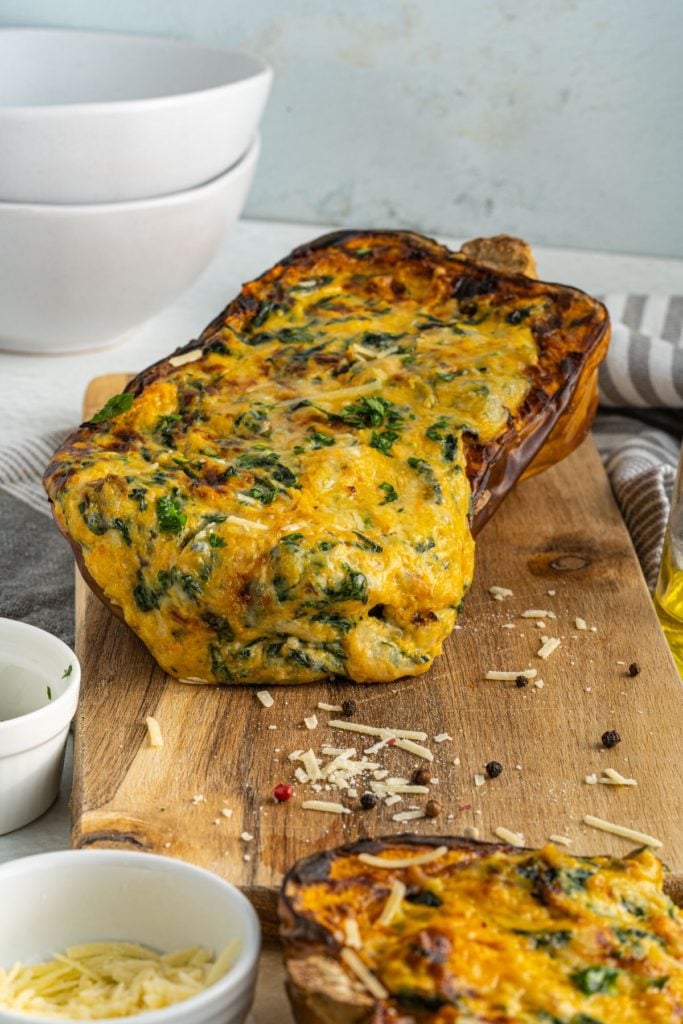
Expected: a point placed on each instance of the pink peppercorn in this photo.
(282, 792)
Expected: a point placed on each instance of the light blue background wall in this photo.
(560, 121)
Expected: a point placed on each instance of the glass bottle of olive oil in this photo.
(669, 589)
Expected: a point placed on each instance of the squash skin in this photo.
(555, 409)
(500, 902)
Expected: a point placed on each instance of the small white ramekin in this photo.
(39, 683)
(55, 900)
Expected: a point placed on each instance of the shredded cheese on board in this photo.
(154, 732)
(622, 830)
(96, 980)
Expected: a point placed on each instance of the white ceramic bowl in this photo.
(55, 900)
(39, 683)
(80, 277)
(91, 117)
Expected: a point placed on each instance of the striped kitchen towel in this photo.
(640, 423)
(638, 429)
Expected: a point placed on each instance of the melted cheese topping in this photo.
(515, 938)
(293, 502)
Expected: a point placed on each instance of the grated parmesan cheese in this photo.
(98, 980)
(528, 673)
(415, 748)
(327, 806)
(560, 840)
(383, 733)
(393, 799)
(615, 778)
(550, 644)
(537, 613)
(352, 933)
(479, 780)
(499, 593)
(246, 837)
(186, 357)
(412, 815)
(311, 722)
(622, 830)
(591, 779)
(247, 524)
(312, 765)
(265, 697)
(356, 965)
(403, 862)
(154, 732)
(513, 838)
(442, 737)
(393, 903)
(580, 623)
(329, 707)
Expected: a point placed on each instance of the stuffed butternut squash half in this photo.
(429, 930)
(295, 495)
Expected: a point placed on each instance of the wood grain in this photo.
(558, 532)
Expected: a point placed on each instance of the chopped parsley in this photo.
(599, 979)
(49, 693)
(67, 671)
(170, 516)
(114, 407)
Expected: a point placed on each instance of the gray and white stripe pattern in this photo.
(641, 376)
(644, 364)
(22, 466)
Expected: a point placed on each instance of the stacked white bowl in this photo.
(123, 162)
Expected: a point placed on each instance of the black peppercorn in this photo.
(521, 681)
(421, 777)
(493, 769)
(368, 801)
(634, 669)
(433, 809)
(348, 708)
(610, 738)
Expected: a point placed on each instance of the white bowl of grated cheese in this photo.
(39, 684)
(101, 902)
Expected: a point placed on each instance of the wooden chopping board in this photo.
(559, 544)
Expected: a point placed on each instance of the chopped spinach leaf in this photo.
(93, 518)
(145, 597)
(122, 526)
(218, 666)
(215, 541)
(380, 340)
(319, 439)
(354, 586)
(424, 897)
(592, 980)
(220, 625)
(422, 467)
(336, 621)
(424, 545)
(366, 544)
(138, 494)
(291, 540)
(391, 494)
